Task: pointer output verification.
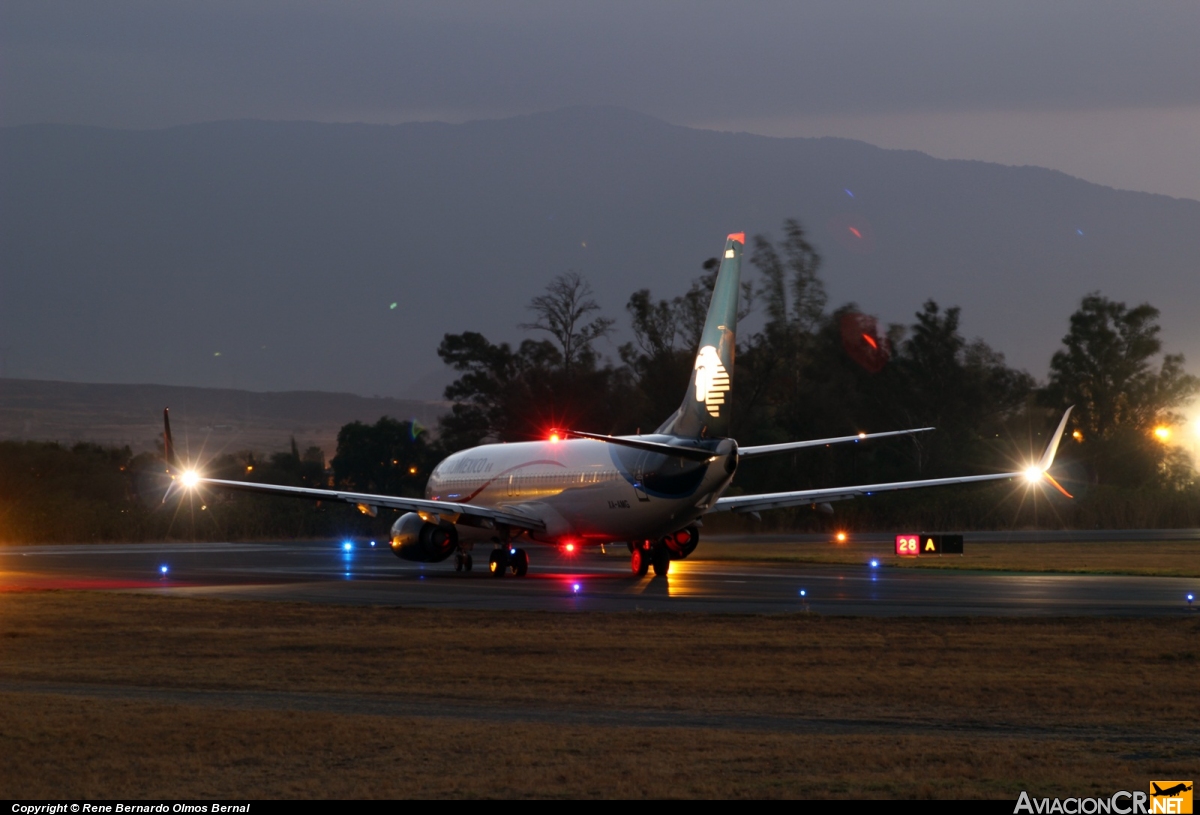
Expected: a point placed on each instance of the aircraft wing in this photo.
(763, 449)
(775, 500)
(471, 514)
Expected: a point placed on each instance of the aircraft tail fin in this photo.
(705, 409)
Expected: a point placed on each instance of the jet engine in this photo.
(414, 538)
(684, 542)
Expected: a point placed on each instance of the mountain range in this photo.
(285, 256)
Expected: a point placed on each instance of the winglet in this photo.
(1052, 448)
(168, 442)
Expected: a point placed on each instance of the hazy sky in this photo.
(1109, 91)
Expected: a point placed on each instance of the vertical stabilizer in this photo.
(705, 409)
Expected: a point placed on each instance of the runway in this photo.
(323, 572)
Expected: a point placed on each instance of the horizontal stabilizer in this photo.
(692, 453)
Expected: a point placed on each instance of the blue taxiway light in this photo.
(575, 588)
(372, 543)
(347, 546)
(803, 592)
(1190, 596)
(163, 569)
(874, 564)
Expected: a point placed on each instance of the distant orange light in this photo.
(1162, 433)
(871, 341)
(1077, 436)
(841, 537)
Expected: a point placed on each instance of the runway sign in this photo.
(928, 544)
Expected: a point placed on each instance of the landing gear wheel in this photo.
(458, 562)
(662, 560)
(639, 561)
(520, 563)
(467, 563)
(498, 562)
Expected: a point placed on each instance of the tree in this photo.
(770, 376)
(512, 395)
(389, 457)
(1107, 371)
(962, 388)
(561, 312)
(794, 276)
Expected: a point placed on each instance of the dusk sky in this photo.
(1108, 91)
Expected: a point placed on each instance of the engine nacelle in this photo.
(684, 542)
(414, 538)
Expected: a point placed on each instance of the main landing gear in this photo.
(463, 561)
(504, 559)
(645, 554)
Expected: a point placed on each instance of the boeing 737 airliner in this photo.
(579, 488)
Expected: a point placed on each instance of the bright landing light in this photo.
(1033, 475)
(190, 478)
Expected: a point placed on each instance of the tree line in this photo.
(810, 371)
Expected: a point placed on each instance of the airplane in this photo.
(1170, 792)
(578, 488)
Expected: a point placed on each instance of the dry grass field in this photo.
(124, 695)
(1163, 558)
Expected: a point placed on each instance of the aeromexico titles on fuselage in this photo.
(649, 491)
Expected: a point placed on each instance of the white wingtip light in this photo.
(189, 478)
(1033, 475)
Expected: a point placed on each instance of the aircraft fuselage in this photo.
(588, 489)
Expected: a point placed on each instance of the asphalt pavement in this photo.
(329, 572)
